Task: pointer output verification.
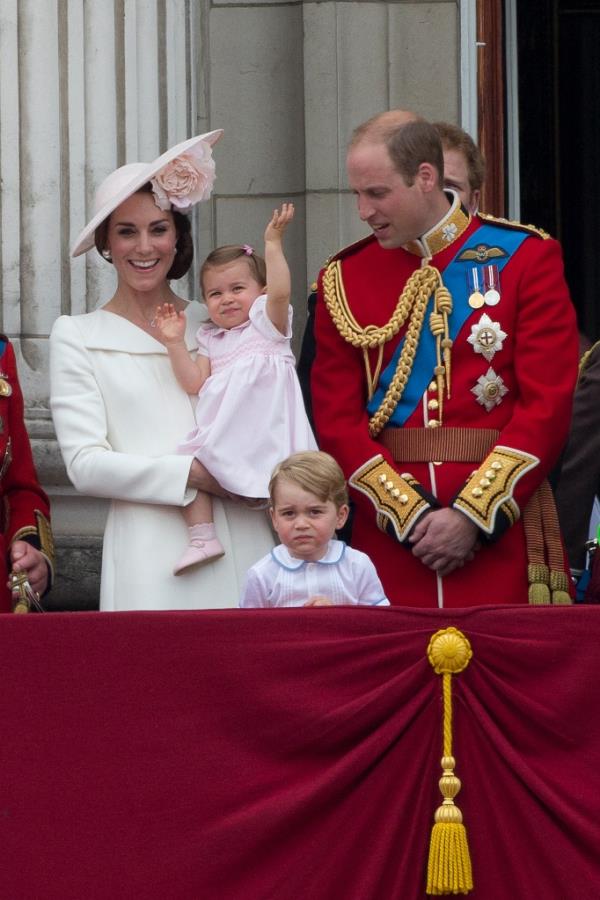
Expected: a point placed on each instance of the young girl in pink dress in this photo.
(250, 413)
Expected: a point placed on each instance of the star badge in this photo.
(489, 390)
(486, 337)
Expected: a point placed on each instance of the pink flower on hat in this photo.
(186, 179)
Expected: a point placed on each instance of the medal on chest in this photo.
(483, 285)
(486, 337)
(489, 390)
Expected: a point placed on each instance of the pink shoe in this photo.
(204, 546)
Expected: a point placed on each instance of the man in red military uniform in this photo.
(26, 536)
(446, 356)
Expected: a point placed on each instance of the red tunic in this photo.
(25, 508)
(537, 363)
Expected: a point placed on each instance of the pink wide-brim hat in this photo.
(128, 179)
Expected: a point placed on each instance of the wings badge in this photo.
(481, 253)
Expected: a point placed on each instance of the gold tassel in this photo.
(559, 586)
(449, 867)
(548, 582)
(538, 575)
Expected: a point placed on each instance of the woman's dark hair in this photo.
(184, 246)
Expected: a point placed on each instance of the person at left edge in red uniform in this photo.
(26, 535)
(446, 356)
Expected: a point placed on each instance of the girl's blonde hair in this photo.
(315, 472)
(222, 256)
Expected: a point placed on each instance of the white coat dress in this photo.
(119, 416)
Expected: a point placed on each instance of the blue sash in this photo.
(455, 279)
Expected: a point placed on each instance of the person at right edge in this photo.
(446, 356)
(579, 481)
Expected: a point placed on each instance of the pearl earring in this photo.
(106, 255)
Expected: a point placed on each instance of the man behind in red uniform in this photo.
(25, 535)
(446, 355)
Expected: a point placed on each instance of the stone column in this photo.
(85, 86)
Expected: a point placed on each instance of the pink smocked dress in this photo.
(250, 414)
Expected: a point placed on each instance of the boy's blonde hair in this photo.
(315, 472)
(223, 256)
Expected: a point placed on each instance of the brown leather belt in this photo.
(439, 444)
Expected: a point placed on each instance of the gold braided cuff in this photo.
(46, 536)
(490, 489)
(43, 534)
(28, 531)
(47, 542)
(396, 498)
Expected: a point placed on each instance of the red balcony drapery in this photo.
(271, 755)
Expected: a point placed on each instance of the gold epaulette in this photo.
(349, 248)
(340, 254)
(42, 530)
(512, 223)
(518, 226)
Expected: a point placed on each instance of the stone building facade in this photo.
(87, 85)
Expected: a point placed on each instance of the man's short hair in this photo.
(409, 141)
(455, 138)
(379, 127)
(413, 144)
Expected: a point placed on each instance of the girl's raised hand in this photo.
(279, 222)
(169, 323)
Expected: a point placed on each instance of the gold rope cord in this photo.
(405, 363)
(411, 305)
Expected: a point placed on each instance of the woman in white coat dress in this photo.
(118, 410)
